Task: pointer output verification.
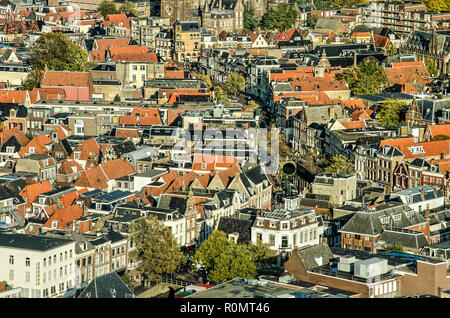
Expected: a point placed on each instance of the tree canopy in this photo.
(226, 260)
(437, 5)
(234, 83)
(340, 165)
(312, 20)
(33, 80)
(55, 52)
(368, 77)
(156, 250)
(128, 8)
(430, 65)
(282, 18)
(250, 22)
(107, 7)
(389, 115)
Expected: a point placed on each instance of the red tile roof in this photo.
(143, 116)
(212, 162)
(65, 217)
(436, 130)
(354, 124)
(32, 191)
(87, 148)
(41, 144)
(19, 97)
(66, 78)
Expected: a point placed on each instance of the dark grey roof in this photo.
(369, 222)
(172, 203)
(308, 255)
(235, 225)
(408, 239)
(107, 286)
(31, 242)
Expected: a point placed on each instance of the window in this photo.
(70, 254)
(11, 274)
(142, 67)
(284, 241)
(60, 257)
(44, 277)
(11, 260)
(27, 262)
(65, 255)
(27, 277)
(285, 226)
(134, 67)
(272, 240)
(49, 261)
(89, 260)
(45, 262)
(54, 259)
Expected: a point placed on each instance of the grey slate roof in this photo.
(107, 286)
(308, 255)
(31, 242)
(408, 239)
(369, 222)
(232, 225)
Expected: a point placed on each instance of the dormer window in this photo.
(54, 224)
(260, 222)
(272, 224)
(397, 217)
(285, 226)
(384, 220)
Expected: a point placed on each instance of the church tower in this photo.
(322, 66)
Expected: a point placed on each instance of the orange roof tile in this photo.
(41, 144)
(354, 124)
(117, 168)
(436, 130)
(143, 116)
(66, 78)
(87, 148)
(65, 217)
(18, 97)
(397, 142)
(32, 191)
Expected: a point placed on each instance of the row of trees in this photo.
(107, 7)
(159, 254)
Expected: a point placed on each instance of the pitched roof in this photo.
(143, 116)
(107, 286)
(66, 78)
(8, 96)
(311, 254)
(436, 130)
(32, 191)
(409, 239)
(212, 162)
(64, 217)
(117, 168)
(41, 144)
(355, 124)
(88, 148)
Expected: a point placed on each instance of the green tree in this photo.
(437, 5)
(225, 259)
(391, 50)
(368, 77)
(250, 22)
(33, 80)
(340, 165)
(203, 77)
(55, 52)
(389, 115)
(282, 18)
(312, 20)
(261, 252)
(431, 66)
(117, 98)
(220, 95)
(128, 8)
(253, 105)
(127, 280)
(233, 84)
(156, 250)
(107, 7)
